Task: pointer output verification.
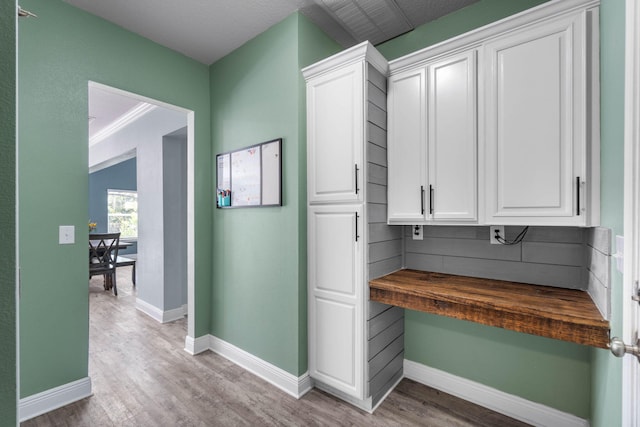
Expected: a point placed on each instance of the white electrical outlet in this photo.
(417, 232)
(67, 235)
(496, 230)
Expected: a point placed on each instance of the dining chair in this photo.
(103, 253)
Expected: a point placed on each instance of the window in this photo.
(122, 213)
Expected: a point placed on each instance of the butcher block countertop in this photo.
(564, 314)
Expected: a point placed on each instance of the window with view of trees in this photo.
(122, 212)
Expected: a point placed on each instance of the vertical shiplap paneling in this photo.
(598, 265)
(385, 324)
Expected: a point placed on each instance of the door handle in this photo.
(357, 236)
(430, 199)
(356, 173)
(619, 348)
(421, 200)
(578, 196)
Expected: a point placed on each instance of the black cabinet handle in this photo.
(357, 236)
(422, 200)
(578, 195)
(356, 173)
(431, 199)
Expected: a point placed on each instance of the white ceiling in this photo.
(207, 30)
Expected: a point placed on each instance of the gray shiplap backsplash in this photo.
(565, 257)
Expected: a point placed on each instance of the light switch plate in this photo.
(67, 235)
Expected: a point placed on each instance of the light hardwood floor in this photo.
(143, 377)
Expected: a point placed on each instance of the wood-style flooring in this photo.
(142, 376)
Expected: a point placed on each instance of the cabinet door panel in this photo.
(334, 234)
(336, 295)
(534, 134)
(407, 146)
(335, 135)
(452, 138)
(335, 344)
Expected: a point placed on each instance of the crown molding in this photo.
(126, 119)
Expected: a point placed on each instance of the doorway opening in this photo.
(157, 139)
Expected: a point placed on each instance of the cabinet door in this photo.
(535, 122)
(406, 148)
(335, 135)
(452, 139)
(336, 293)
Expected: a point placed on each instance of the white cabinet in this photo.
(338, 115)
(336, 297)
(500, 125)
(538, 147)
(432, 148)
(335, 117)
(452, 139)
(406, 147)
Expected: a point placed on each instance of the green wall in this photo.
(607, 370)
(59, 52)
(8, 379)
(259, 254)
(554, 373)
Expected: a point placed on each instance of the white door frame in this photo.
(630, 309)
(190, 200)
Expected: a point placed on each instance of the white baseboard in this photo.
(159, 315)
(290, 384)
(488, 397)
(174, 314)
(195, 346)
(49, 400)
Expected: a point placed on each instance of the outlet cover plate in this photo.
(417, 232)
(492, 233)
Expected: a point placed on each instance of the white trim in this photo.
(150, 310)
(482, 34)
(113, 161)
(49, 400)
(126, 119)
(360, 52)
(630, 315)
(198, 345)
(174, 314)
(290, 384)
(496, 400)
(159, 315)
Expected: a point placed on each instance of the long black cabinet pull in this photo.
(357, 236)
(431, 199)
(421, 200)
(578, 195)
(356, 172)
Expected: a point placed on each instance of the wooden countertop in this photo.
(564, 314)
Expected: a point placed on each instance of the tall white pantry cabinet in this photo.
(346, 182)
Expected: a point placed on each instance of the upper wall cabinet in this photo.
(406, 146)
(335, 132)
(537, 138)
(500, 125)
(432, 145)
